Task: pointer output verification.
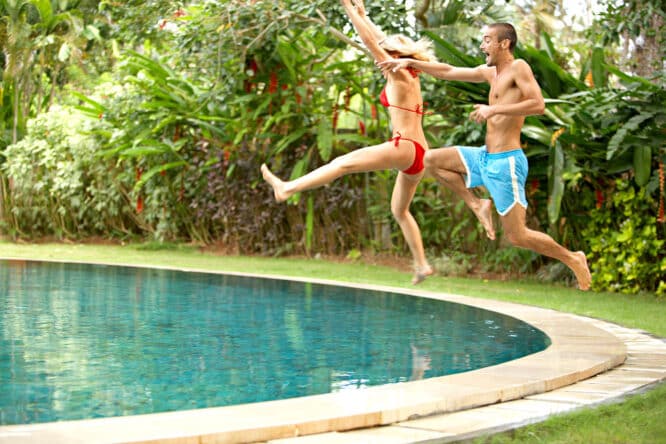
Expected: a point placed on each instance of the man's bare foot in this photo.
(582, 271)
(275, 182)
(421, 273)
(485, 216)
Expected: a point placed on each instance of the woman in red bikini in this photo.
(404, 151)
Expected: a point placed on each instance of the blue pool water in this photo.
(83, 341)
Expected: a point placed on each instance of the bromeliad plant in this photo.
(156, 127)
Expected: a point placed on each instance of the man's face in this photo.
(490, 46)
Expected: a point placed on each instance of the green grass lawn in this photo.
(640, 419)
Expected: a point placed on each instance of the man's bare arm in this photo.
(532, 102)
(438, 69)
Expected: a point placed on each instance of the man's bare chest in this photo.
(503, 89)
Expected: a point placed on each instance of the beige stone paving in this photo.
(436, 410)
(645, 365)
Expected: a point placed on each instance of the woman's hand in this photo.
(360, 7)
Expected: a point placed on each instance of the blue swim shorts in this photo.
(503, 174)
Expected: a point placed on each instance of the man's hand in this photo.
(481, 113)
(393, 65)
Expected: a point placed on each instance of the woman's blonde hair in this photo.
(406, 47)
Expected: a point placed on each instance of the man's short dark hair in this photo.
(506, 31)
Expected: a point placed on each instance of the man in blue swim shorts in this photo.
(503, 174)
(500, 165)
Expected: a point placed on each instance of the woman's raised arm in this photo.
(369, 33)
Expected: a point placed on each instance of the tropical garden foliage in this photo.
(140, 122)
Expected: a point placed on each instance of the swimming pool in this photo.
(85, 341)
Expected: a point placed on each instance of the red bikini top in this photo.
(384, 100)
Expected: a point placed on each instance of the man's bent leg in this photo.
(445, 165)
(519, 235)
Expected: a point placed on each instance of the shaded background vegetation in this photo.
(143, 120)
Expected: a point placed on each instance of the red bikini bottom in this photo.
(417, 166)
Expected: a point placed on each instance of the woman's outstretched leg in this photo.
(378, 157)
(403, 193)
(283, 190)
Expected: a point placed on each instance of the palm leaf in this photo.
(145, 177)
(542, 135)
(450, 54)
(630, 79)
(286, 141)
(95, 108)
(631, 125)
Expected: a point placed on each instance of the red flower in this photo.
(361, 127)
(139, 204)
(252, 66)
(273, 85)
(535, 185)
(600, 198)
(179, 13)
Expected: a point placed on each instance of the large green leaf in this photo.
(556, 182)
(642, 164)
(325, 139)
(543, 135)
(45, 10)
(598, 68)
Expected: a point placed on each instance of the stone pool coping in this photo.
(579, 350)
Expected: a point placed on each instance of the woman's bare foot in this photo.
(421, 273)
(275, 182)
(485, 216)
(582, 271)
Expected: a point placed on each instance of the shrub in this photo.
(59, 187)
(626, 242)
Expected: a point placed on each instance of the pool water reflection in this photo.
(84, 341)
